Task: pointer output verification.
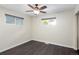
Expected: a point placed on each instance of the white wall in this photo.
(76, 11)
(63, 33)
(10, 34)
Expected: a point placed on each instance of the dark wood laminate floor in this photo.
(39, 48)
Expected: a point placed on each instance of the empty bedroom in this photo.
(39, 29)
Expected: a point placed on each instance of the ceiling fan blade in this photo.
(31, 6)
(43, 7)
(29, 11)
(42, 11)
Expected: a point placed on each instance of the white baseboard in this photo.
(13, 46)
(55, 44)
(36, 40)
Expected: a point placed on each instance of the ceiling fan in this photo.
(36, 9)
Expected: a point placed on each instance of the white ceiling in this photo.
(51, 8)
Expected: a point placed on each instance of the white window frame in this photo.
(14, 19)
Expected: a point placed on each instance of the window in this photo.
(19, 21)
(10, 19)
(52, 22)
(47, 21)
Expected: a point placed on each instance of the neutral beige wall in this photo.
(63, 33)
(10, 34)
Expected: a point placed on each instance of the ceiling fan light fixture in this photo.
(36, 12)
(36, 9)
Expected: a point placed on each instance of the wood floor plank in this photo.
(39, 48)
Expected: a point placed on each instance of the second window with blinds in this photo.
(10, 19)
